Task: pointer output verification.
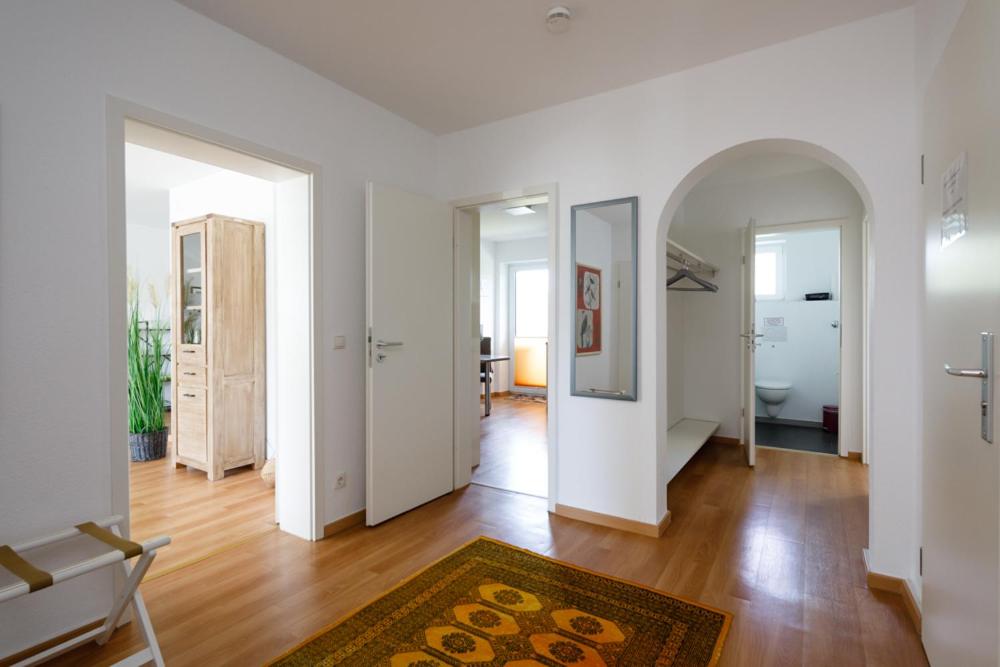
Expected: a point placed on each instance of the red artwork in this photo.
(588, 310)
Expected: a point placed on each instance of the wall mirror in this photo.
(603, 257)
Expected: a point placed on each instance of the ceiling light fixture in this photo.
(520, 210)
(558, 19)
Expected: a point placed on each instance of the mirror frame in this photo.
(630, 393)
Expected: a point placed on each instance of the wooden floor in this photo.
(201, 517)
(779, 546)
(513, 447)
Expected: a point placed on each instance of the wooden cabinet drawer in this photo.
(190, 375)
(192, 436)
(191, 354)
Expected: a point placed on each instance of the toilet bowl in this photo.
(772, 394)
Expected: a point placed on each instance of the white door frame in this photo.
(117, 112)
(838, 224)
(551, 191)
(512, 268)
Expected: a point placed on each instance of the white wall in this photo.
(242, 196)
(806, 350)
(59, 61)
(594, 240)
(645, 139)
(488, 289)
(147, 212)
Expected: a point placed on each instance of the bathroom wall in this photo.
(805, 348)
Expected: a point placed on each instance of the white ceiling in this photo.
(448, 65)
(495, 224)
(147, 169)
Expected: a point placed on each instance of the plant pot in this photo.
(147, 446)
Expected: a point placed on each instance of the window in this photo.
(769, 271)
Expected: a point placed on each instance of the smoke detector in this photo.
(558, 19)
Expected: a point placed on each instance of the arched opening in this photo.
(789, 187)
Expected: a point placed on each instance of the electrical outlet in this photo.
(341, 480)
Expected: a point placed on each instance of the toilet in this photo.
(773, 394)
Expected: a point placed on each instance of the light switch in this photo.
(339, 342)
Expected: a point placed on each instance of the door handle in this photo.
(985, 375)
(388, 343)
(965, 372)
(756, 335)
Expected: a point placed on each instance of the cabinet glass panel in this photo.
(191, 284)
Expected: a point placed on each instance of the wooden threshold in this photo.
(611, 521)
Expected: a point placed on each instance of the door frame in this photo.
(838, 224)
(466, 211)
(118, 112)
(512, 268)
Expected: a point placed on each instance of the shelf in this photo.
(192, 307)
(681, 256)
(196, 269)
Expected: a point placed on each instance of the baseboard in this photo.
(345, 523)
(901, 587)
(723, 440)
(494, 394)
(616, 522)
(24, 654)
(854, 456)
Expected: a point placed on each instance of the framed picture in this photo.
(588, 310)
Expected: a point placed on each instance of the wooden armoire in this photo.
(218, 410)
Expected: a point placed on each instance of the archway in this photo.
(696, 175)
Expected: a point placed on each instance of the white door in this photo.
(749, 341)
(960, 484)
(409, 401)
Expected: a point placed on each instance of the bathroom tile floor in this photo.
(802, 438)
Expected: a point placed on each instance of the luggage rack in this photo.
(29, 578)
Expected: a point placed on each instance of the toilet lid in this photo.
(773, 384)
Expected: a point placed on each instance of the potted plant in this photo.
(147, 438)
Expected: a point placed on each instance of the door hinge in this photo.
(920, 567)
(921, 169)
(743, 259)
(743, 412)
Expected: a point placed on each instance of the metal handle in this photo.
(756, 335)
(388, 343)
(190, 395)
(965, 372)
(985, 375)
(189, 373)
(188, 351)
(611, 392)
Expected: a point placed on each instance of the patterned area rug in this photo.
(493, 604)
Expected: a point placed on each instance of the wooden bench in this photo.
(684, 439)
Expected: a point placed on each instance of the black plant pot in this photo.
(147, 446)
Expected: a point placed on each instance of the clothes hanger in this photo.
(685, 272)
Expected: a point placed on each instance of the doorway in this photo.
(426, 366)
(727, 346)
(202, 219)
(514, 298)
(797, 288)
